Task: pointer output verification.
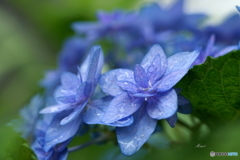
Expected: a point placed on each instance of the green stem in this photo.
(94, 141)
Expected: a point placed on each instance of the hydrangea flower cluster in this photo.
(146, 53)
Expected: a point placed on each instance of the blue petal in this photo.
(67, 99)
(120, 107)
(207, 52)
(125, 75)
(179, 61)
(69, 81)
(127, 86)
(73, 115)
(143, 95)
(57, 133)
(184, 105)
(226, 50)
(149, 63)
(96, 110)
(56, 108)
(157, 68)
(108, 81)
(131, 138)
(163, 106)
(209, 46)
(182, 100)
(62, 146)
(177, 8)
(81, 92)
(122, 122)
(168, 81)
(172, 120)
(140, 76)
(238, 8)
(92, 65)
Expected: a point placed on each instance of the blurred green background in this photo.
(31, 35)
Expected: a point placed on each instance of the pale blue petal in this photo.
(69, 81)
(67, 99)
(93, 66)
(75, 113)
(143, 95)
(127, 86)
(140, 76)
(56, 108)
(181, 61)
(57, 133)
(163, 106)
(226, 50)
(108, 81)
(149, 63)
(209, 46)
(122, 122)
(96, 110)
(120, 107)
(131, 138)
(59, 92)
(172, 120)
(125, 75)
(168, 81)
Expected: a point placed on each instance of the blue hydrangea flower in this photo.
(145, 93)
(76, 90)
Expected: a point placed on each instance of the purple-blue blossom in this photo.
(76, 90)
(146, 94)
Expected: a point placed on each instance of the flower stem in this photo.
(94, 141)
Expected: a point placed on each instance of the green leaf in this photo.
(213, 89)
(13, 146)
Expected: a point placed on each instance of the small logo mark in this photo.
(212, 153)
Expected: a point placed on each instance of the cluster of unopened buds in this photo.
(126, 80)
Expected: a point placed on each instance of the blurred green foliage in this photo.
(14, 147)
